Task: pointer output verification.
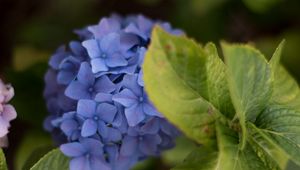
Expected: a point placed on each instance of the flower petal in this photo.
(4, 125)
(110, 43)
(116, 60)
(129, 146)
(86, 108)
(103, 97)
(9, 113)
(97, 163)
(134, 115)
(85, 75)
(74, 149)
(107, 112)
(89, 128)
(104, 85)
(77, 91)
(98, 65)
(126, 97)
(93, 146)
(68, 126)
(80, 163)
(92, 47)
(151, 110)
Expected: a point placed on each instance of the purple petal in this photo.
(97, 163)
(104, 85)
(98, 65)
(128, 41)
(110, 43)
(126, 97)
(86, 108)
(114, 134)
(107, 112)
(4, 125)
(106, 26)
(103, 97)
(131, 82)
(140, 79)
(145, 24)
(148, 145)
(56, 59)
(89, 128)
(9, 113)
(131, 28)
(93, 146)
(102, 129)
(77, 48)
(134, 115)
(73, 149)
(150, 110)
(85, 75)
(116, 60)
(80, 163)
(65, 77)
(92, 47)
(68, 126)
(151, 127)
(77, 91)
(129, 146)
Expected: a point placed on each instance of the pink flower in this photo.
(7, 111)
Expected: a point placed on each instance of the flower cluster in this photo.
(7, 111)
(100, 112)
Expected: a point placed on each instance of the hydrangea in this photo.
(100, 114)
(7, 111)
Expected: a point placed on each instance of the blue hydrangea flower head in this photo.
(100, 114)
(7, 111)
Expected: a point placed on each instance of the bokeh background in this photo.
(30, 30)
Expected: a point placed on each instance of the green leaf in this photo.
(201, 158)
(183, 147)
(281, 124)
(250, 82)
(53, 160)
(229, 156)
(3, 165)
(286, 89)
(269, 152)
(175, 74)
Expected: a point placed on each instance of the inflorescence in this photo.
(100, 112)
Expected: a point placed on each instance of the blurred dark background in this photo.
(30, 30)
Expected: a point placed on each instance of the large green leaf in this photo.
(201, 158)
(282, 125)
(3, 165)
(53, 160)
(229, 156)
(176, 77)
(250, 82)
(269, 152)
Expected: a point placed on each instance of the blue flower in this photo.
(70, 124)
(87, 154)
(97, 118)
(135, 101)
(96, 98)
(144, 139)
(105, 53)
(87, 85)
(141, 27)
